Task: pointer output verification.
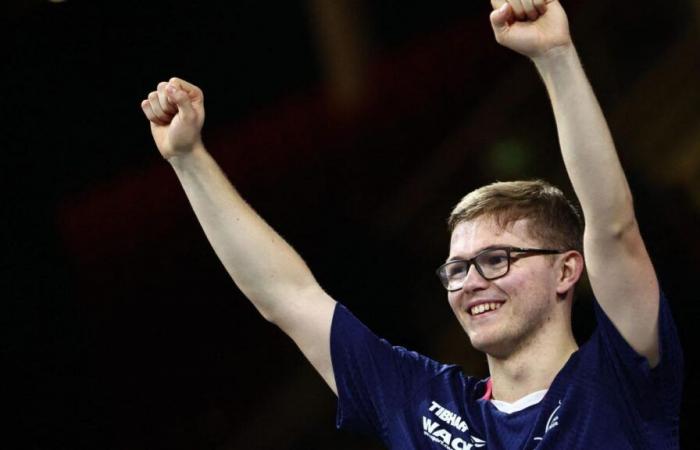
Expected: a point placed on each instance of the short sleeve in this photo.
(374, 379)
(655, 391)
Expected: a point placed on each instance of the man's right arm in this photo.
(264, 267)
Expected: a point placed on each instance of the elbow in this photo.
(614, 219)
(267, 315)
(265, 301)
(614, 237)
(623, 227)
(612, 231)
(277, 306)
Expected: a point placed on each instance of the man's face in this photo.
(525, 297)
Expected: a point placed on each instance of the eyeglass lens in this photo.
(490, 264)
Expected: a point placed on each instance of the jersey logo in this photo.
(552, 422)
(449, 430)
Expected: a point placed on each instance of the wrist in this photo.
(555, 58)
(182, 159)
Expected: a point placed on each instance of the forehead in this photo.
(470, 237)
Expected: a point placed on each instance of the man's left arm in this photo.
(619, 267)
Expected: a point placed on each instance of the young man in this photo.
(515, 257)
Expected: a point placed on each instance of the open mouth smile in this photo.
(482, 308)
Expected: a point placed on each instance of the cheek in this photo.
(532, 288)
(453, 299)
(519, 283)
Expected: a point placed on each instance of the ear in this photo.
(570, 269)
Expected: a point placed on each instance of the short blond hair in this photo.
(553, 219)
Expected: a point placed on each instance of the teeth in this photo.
(484, 307)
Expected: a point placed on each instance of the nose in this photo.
(473, 281)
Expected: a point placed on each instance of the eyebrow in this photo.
(483, 249)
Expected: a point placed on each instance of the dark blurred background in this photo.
(353, 127)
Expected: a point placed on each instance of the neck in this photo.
(531, 368)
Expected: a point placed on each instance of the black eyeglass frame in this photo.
(472, 261)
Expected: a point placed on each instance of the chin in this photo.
(491, 345)
(481, 343)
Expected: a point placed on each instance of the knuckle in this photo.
(162, 117)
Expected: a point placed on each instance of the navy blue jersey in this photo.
(605, 397)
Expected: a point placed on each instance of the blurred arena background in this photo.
(353, 127)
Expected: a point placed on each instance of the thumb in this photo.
(182, 100)
(501, 18)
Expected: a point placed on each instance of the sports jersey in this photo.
(605, 397)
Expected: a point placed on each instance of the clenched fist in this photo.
(531, 27)
(176, 112)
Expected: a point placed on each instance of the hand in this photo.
(176, 113)
(530, 27)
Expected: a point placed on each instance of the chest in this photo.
(439, 419)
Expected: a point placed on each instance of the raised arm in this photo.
(619, 268)
(265, 268)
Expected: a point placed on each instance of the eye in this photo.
(493, 259)
(455, 269)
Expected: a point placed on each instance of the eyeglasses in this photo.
(491, 263)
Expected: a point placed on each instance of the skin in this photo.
(529, 337)
(622, 276)
(264, 267)
(528, 340)
(619, 268)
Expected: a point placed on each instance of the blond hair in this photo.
(553, 219)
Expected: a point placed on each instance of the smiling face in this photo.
(529, 306)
